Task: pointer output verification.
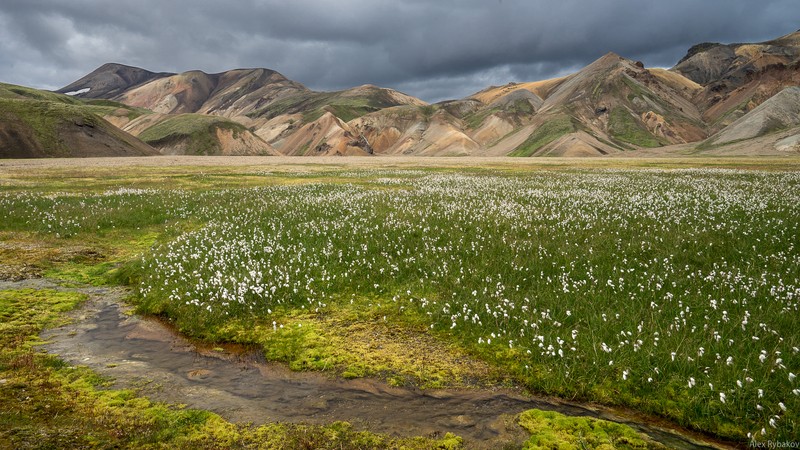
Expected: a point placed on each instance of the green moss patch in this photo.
(624, 127)
(198, 130)
(551, 430)
(47, 118)
(22, 92)
(342, 104)
(48, 404)
(545, 134)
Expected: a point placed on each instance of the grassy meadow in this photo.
(672, 290)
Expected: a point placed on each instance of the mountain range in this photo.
(723, 99)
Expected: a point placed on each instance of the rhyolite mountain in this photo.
(736, 78)
(110, 80)
(715, 100)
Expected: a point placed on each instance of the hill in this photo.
(35, 124)
(197, 134)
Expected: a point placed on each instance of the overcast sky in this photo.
(432, 49)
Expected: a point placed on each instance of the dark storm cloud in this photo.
(432, 49)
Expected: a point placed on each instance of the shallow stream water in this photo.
(147, 355)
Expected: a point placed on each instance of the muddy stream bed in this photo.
(146, 355)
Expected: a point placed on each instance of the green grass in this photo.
(407, 257)
(485, 264)
(544, 134)
(198, 130)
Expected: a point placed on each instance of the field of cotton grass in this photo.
(672, 292)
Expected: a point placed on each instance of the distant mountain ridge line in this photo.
(613, 106)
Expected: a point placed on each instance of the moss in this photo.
(24, 312)
(14, 91)
(342, 104)
(49, 404)
(46, 118)
(551, 430)
(427, 111)
(351, 340)
(546, 133)
(474, 120)
(623, 127)
(198, 130)
(111, 108)
(518, 108)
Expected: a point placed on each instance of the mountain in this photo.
(258, 105)
(612, 106)
(35, 124)
(110, 80)
(779, 112)
(294, 123)
(735, 78)
(228, 93)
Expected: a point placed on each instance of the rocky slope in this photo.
(779, 112)
(735, 78)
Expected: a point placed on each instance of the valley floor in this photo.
(585, 279)
(641, 159)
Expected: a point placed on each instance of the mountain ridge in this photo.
(613, 105)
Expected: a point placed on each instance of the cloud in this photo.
(432, 49)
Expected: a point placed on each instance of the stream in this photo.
(146, 355)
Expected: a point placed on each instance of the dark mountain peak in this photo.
(698, 48)
(110, 80)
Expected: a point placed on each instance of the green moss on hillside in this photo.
(111, 108)
(47, 118)
(545, 134)
(22, 92)
(312, 105)
(198, 129)
(623, 127)
(475, 119)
